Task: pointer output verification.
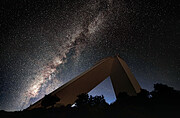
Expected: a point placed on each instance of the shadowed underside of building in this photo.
(121, 77)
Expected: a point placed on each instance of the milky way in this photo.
(76, 40)
(45, 44)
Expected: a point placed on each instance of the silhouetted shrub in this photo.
(49, 100)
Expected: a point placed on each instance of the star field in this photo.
(45, 43)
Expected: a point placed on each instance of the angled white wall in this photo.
(121, 77)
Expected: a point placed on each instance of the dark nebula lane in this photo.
(46, 43)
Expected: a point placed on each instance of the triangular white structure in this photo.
(121, 77)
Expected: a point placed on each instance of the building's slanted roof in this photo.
(122, 80)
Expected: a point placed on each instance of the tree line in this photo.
(163, 101)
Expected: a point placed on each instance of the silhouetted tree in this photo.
(142, 97)
(49, 100)
(165, 94)
(97, 101)
(162, 90)
(143, 94)
(83, 100)
(122, 97)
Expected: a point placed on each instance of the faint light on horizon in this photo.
(105, 88)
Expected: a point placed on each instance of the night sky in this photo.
(45, 43)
